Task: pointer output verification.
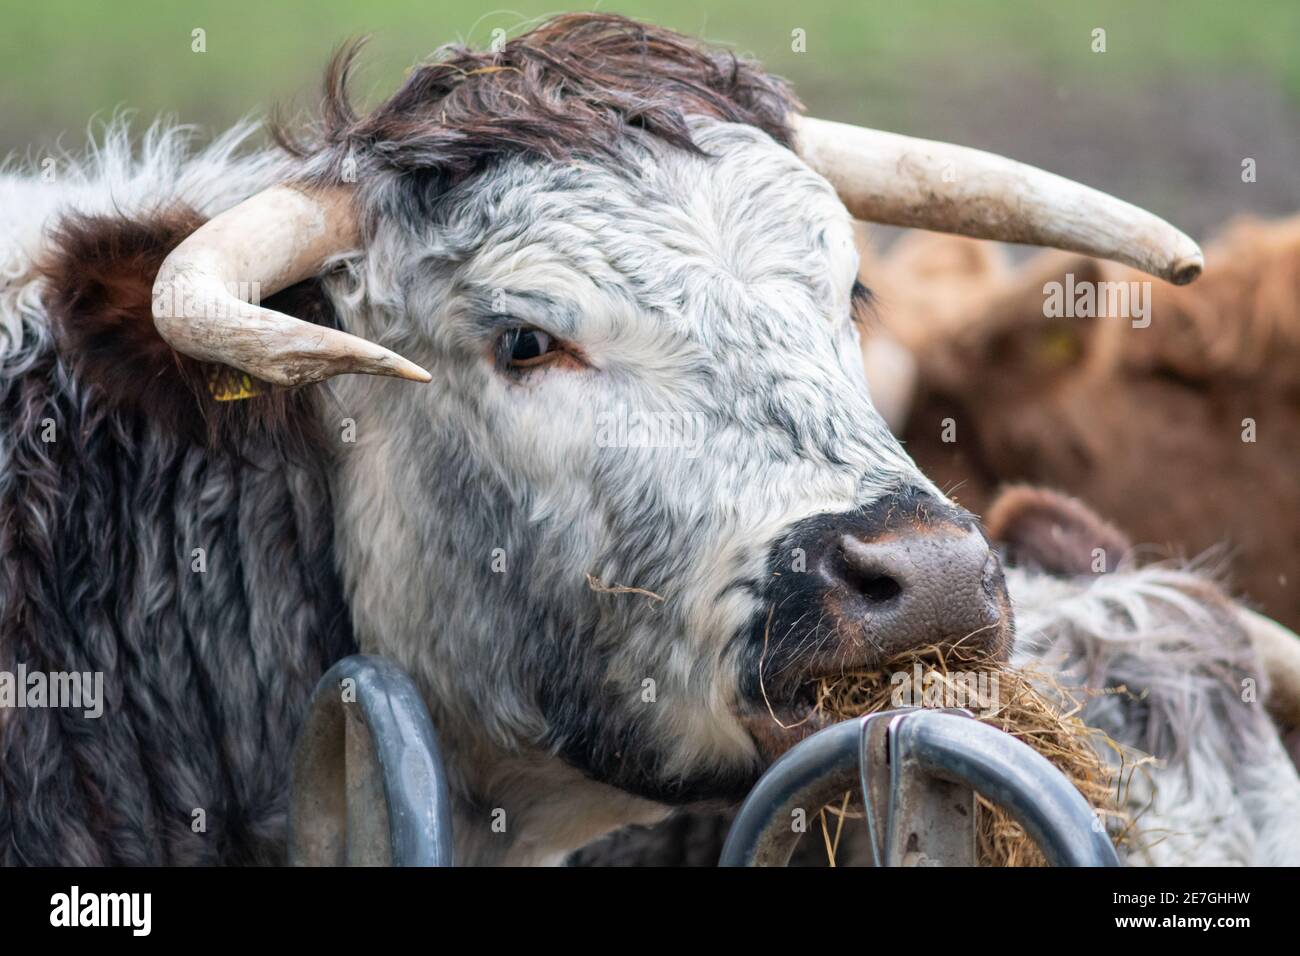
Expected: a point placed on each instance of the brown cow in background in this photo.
(1185, 433)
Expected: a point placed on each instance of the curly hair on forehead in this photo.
(570, 88)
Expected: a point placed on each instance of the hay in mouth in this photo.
(1029, 705)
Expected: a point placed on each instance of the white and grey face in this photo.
(643, 380)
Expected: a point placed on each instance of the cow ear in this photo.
(99, 277)
(99, 293)
(1052, 532)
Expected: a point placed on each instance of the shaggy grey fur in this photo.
(205, 673)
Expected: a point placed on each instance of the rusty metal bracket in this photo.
(918, 771)
(369, 787)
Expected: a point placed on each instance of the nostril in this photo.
(877, 588)
(866, 573)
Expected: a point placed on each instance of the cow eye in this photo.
(525, 347)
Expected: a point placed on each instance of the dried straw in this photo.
(1027, 704)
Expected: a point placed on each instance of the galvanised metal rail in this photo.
(369, 786)
(917, 771)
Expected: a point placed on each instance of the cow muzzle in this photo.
(851, 592)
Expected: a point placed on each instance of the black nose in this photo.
(932, 583)
(853, 590)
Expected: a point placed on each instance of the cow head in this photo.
(641, 496)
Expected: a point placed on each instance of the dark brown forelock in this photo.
(570, 88)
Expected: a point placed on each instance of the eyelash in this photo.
(860, 303)
(513, 340)
(549, 351)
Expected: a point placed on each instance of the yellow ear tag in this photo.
(227, 384)
(1060, 347)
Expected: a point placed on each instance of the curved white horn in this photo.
(204, 290)
(901, 181)
(1279, 652)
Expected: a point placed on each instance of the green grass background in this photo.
(61, 61)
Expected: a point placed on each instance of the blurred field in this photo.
(1185, 90)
